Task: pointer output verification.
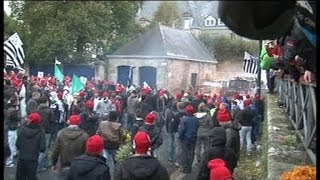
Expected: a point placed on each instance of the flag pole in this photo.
(259, 70)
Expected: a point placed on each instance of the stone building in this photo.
(164, 57)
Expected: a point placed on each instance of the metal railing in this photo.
(299, 100)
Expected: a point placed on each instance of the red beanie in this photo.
(105, 94)
(149, 118)
(34, 118)
(60, 95)
(189, 110)
(74, 120)
(89, 104)
(179, 96)
(218, 170)
(82, 94)
(223, 115)
(141, 142)
(161, 92)
(94, 145)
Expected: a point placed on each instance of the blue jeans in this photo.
(43, 160)
(172, 146)
(245, 132)
(110, 156)
(12, 139)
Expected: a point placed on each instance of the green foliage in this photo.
(73, 30)
(225, 48)
(168, 14)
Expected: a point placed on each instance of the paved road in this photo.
(9, 173)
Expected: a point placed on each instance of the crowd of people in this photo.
(79, 134)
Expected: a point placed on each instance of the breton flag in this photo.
(14, 51)
(250, 64)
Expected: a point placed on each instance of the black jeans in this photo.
(26, 169)
(187, 155)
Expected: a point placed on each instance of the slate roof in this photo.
(166, 42)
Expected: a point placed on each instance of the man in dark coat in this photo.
(89, 119)
(187, 133)
(91, 165)
(153, 131)
(32, 104)
(47, 121)
(31, 140)
(70, 143)
(141, 166)
(218, 150)
(245, 118)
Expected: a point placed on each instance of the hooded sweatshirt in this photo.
(87, 167)
(70, 143)
(205, 123)
(141, 168)
(218, 149)
(30, 141)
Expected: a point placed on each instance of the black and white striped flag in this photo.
(250, 64)
(14, 51)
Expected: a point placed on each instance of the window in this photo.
(212, 22)
(207, 22)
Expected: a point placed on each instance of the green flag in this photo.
(76, 85)
(58, 74)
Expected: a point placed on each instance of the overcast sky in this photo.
(6, 7)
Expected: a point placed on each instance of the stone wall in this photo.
(285, 150)
(172, 74)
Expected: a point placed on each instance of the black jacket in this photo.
(30, 141)
(89, 167)
(217, 150)
(172, 119)
(47, 117)
(154, 134)
(141, 168)
(89, 122)
(12, 118)
(245, 116)
(233, 136)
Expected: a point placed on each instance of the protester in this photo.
(153, 131)
(47, 121)
(111, 132)
(70, 143)
(32, 104)
(218, 149)
(30, 142)
(91, 165)
(218, 170)
(245, 118)
(132, 104)
(188, 128)
(89, 119)
(141, 165)
(12, 120)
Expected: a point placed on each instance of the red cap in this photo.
(149, 118)
(94, 144)
(34, 118)
(179, 96)
(74, 120)
(89, 104)
(189, 110)
(141, 142)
